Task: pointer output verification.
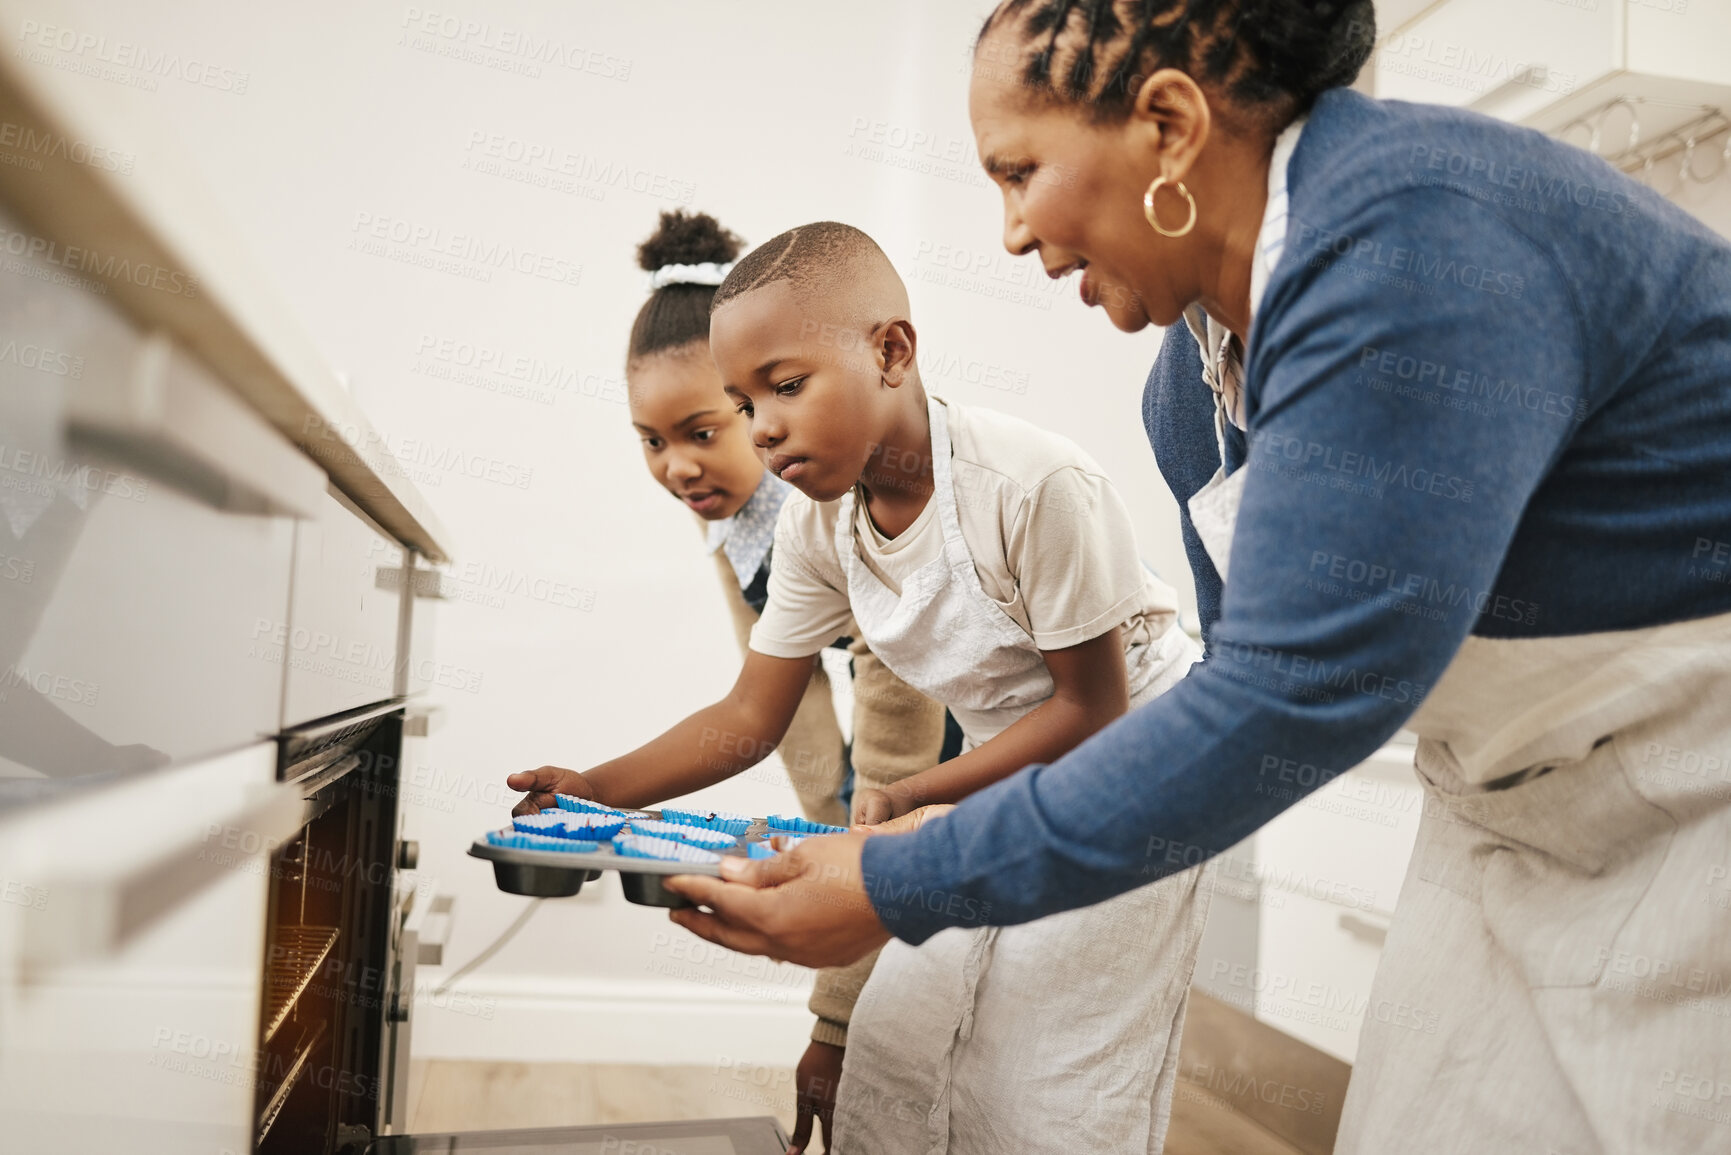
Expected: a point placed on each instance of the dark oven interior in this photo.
(331, 988)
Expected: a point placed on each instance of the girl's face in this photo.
(696, 446)
(1073, 194)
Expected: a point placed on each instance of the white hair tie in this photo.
(708, 273)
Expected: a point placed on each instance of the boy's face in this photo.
(810, 385)
(694, 443)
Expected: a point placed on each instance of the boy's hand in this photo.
(542, 784)
(814, 1083)
(871, 807)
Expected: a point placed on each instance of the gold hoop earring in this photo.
(1154, 217)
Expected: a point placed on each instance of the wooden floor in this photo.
(448, 1095)
(452, 1095)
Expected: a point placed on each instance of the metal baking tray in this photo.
(562, 873)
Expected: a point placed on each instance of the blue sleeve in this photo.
(1386, 478)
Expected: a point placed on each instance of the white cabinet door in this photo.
(142, 1039)
(1328, 872)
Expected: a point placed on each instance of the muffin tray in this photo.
(562, 873)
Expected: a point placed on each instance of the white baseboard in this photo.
(709, 1018)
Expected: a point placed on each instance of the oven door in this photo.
(750, 1136)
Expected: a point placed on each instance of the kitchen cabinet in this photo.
(1549, 62)
(1323, 879)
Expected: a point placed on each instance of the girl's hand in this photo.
(542, 784)
(814, 1083)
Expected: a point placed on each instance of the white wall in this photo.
(768, 114)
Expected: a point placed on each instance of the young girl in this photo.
(992, 566)
(699, 449)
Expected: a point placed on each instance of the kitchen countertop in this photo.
(157, 215)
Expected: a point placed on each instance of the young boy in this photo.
(699, 449)
(993, 568)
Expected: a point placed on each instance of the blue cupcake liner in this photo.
(679, 832)
(723, 820)
(584, 806)
(517, 840)
(594, 827)
(801, 826)
(664, 849)
(542, 823)
(760, 850)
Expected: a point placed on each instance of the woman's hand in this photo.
(814, 1083)
(911, 821)
(806, 906)
(542, 784)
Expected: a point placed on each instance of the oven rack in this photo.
(300, 951)
(303, 1055)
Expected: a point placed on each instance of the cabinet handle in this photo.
(1372, 931)
(426, 583)
(171, 420)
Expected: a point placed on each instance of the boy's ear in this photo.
(897, 345)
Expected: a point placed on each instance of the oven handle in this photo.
(95, 915)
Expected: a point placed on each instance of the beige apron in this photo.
(1059, 1035)
(1558, 976)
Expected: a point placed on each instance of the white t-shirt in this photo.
(1051, 541)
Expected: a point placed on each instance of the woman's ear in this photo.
(1172, 119)
(897, 346)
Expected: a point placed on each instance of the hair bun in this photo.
(1310, 46)
(685, 238)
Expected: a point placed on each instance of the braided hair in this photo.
(1274, 55)
(674, 316)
